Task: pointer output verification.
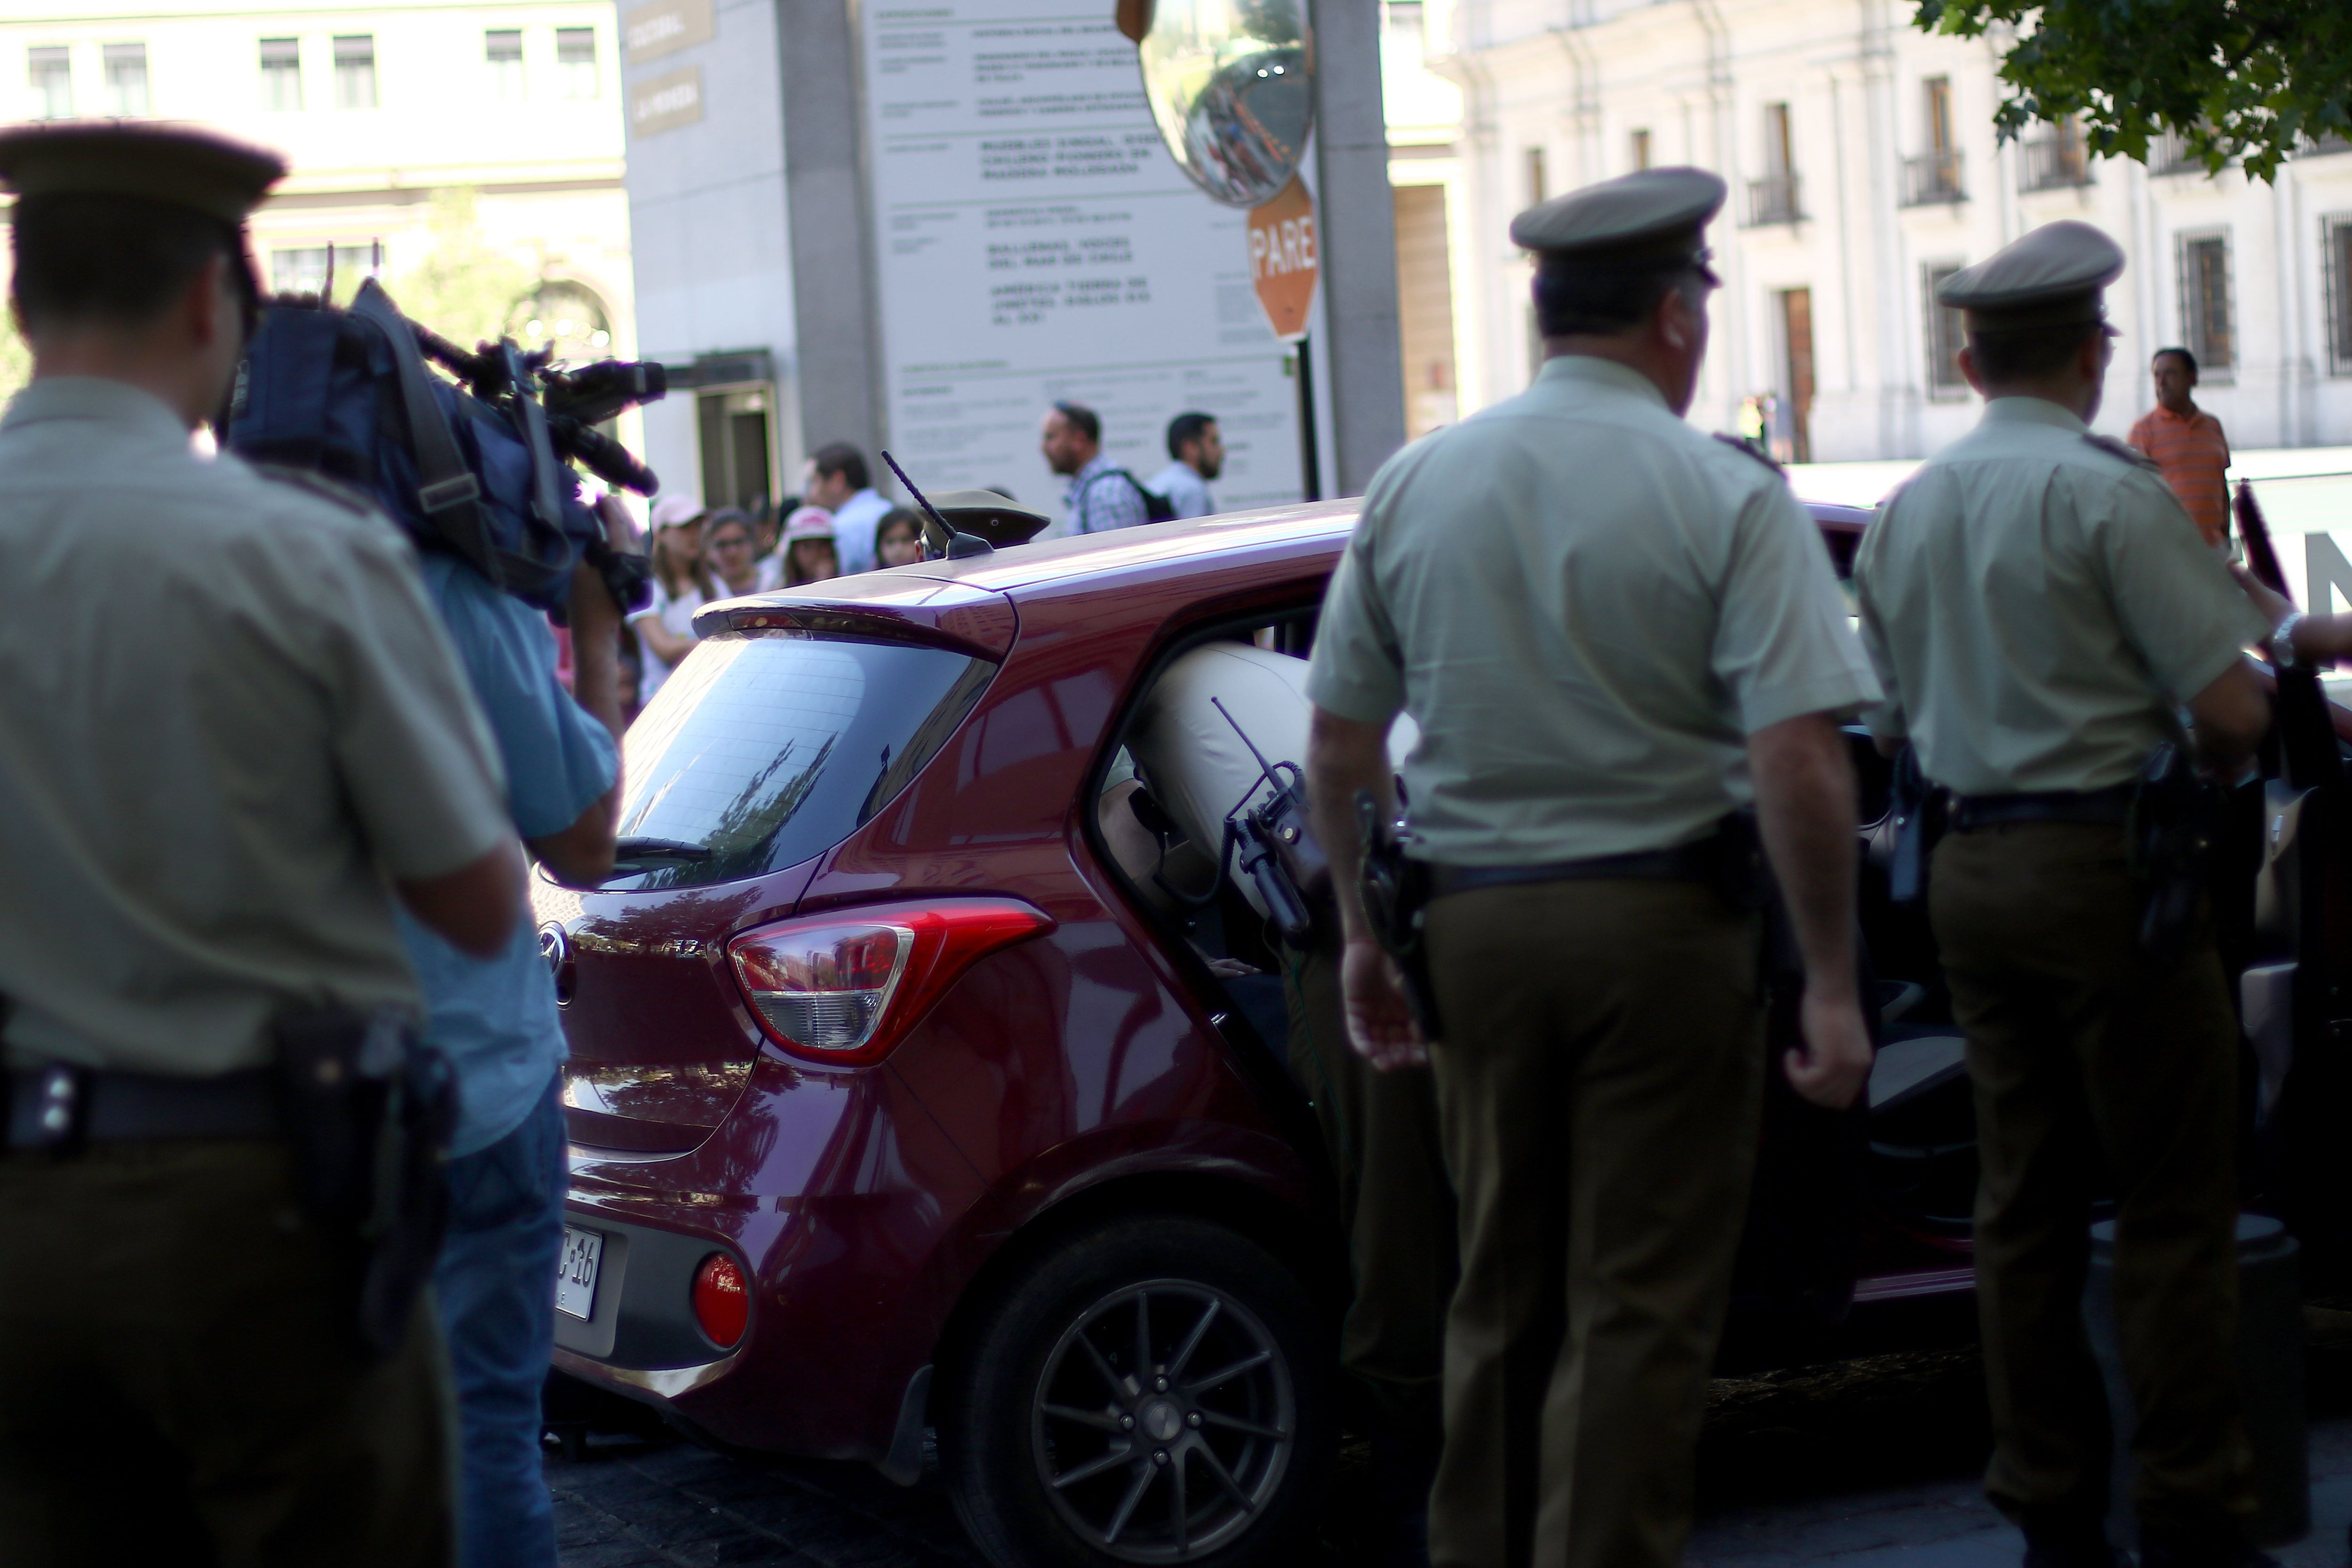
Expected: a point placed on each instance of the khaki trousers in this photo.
(2085, 1060)
(1389, 1161)
(176, 1385)
(1600, 1085)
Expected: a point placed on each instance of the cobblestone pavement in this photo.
(1871, 1462)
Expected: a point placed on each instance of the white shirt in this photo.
(676, 617)
(1185, 489)
(853, 522)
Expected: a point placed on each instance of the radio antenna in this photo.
(955, 545)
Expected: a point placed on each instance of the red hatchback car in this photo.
(894, 1106)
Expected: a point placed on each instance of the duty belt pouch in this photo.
(1740, 875)
(2168, 835)
(369, 1110)
(1919, 822)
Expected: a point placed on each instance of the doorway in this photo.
(737, 469)
(1796, 374)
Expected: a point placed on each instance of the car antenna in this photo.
(1266, 770)
(951, 542)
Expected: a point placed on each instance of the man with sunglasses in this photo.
(232, 735)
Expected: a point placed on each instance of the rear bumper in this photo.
(813, 1374)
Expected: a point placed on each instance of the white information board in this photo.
(1036, 242)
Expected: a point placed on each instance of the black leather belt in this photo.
(1698, 861)
(57, 1106)
(1970, 812)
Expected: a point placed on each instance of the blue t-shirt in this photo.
(496, 1016)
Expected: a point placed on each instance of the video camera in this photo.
(477, 468)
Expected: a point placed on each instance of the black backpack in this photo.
(1157, 508)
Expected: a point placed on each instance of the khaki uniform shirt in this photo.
(2038, 607)
(228, 713)
(1587, 607)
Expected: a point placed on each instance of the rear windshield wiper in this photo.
(631, 851)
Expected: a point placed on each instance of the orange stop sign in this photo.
(1282, 259)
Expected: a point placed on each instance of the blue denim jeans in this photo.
(496, 1281)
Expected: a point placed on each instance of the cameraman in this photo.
(496, 1019)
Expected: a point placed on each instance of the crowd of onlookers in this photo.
(840, 523)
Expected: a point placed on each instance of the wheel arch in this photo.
(1299, 1237)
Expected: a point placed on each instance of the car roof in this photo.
(1080, 564)
(1050, 561)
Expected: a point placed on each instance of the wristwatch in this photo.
(2283, 640)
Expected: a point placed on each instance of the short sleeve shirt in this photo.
(495, 1017)
(2038, 607)
(1587, 607)
(2193, 455)
(229, 715)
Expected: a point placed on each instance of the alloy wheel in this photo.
(1163, 1422)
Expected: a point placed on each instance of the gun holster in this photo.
(1395, 888)
(368, 1110)
(2168, 837)
(1920, 819)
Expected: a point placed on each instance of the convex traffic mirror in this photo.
(1232, 87)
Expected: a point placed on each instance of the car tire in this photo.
(1057, 1454)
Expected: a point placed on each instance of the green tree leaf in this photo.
(2251, 81)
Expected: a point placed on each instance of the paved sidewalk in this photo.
(1950, 1525)
(1868, 1464)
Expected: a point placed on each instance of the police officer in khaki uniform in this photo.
(1615, 634)
(231, 729)
(2040, 608)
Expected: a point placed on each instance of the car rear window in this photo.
(767, 749)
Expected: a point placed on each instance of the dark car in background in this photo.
(894, 1106)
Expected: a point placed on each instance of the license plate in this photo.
(575, 1274)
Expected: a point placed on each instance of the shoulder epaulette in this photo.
(2114, 449)
(319, 485)
(1748, 448)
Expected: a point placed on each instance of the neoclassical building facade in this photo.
(1863, 165)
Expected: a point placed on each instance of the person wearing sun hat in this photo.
(219, 774)
(2039, 610)
(1615, 634)
(682, 584)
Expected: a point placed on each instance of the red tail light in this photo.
(846, 988)
(721, 1304)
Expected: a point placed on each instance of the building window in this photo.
(304, 269)
(1946, 334)
(2206, 318)
(1536, 189)
(1773, 198)
(1641, 149)
(2057, 158)
(1405, 16)
(576, 61)
(126, 79)
(2335, 234)
(355, 71)
(502, 49)
(1935, 175)
(50, 72)
(281, 73)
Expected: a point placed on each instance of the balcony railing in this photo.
(2169, 155)
(2053, 162)
(1933, 177)
(1773, 199)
